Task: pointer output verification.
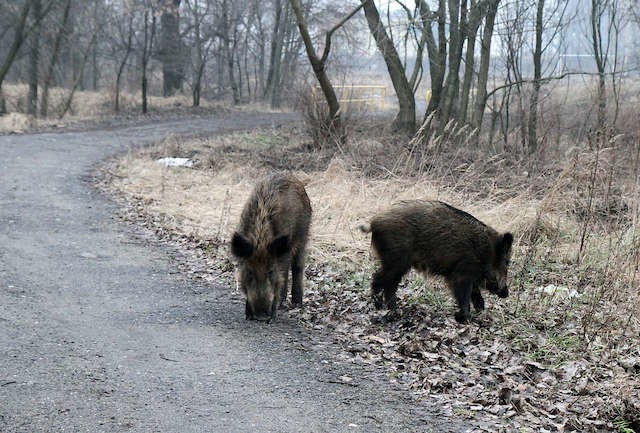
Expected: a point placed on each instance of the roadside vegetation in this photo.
(560, 354)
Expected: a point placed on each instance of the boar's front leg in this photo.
(476, 298)
(386, 281)
(274, 312)
(461, 288)
(248, 313)
(284, 267)
(297, 268)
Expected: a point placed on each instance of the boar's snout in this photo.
(262, 311)
(261, 303)
(498, 286)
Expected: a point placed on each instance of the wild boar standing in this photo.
(271, 237)
(432, 236)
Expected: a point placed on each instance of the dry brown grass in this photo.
(89, 106)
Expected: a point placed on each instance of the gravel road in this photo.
(100, 333)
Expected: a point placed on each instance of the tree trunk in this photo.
(171, 52)
(229, 33)
(475, 18)
(199, 60)
(597, 10)
(260, 67)
(79, 78)
(405, 120)
(146, 55)
(483, 72)
(34, 61)
(452, 84)
(277, 78)
(123, 63)
(293, 45)
(18, 38)
(537, 74)
(277, 40)
(318, 67)
(44, 100)
(437, 55)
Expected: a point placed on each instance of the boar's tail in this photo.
(365, 228)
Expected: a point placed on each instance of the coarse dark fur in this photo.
(434, 237)
(271, 237)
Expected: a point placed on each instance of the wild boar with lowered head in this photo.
(434, 237)
(270, 239)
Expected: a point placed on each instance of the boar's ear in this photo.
(504, 244)
(280, 246)
(241, 246)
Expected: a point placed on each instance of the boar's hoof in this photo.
(377, 301)
(392, 316)
(462, 317)
(478, 303)
(392, 303)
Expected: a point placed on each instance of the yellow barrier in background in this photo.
(358, 96)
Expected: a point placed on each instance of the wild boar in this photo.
(434, 237)
(271, 237)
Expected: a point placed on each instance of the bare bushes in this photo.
(325, 132)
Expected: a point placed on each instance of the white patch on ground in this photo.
(175, 162)
(552, 289)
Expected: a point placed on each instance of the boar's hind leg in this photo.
(386, 281)
(297, 268)
(476, 299)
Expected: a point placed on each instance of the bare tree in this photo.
(483, 72)
(126, 39)
(147, 50)
(405, 120)
(18, 38)
(55, 52)
(79, 77)
(172, 47)
(437, 52)
(202, 42)
(457, 24)
(605, 21)
(319, 63)
(34, 60)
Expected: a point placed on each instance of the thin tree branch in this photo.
(327, 38)
(554, 78)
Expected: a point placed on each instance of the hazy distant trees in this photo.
(15, 44)
(607, 19)
(247, 50)
(487, 64)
